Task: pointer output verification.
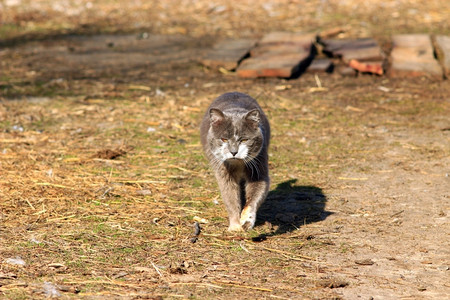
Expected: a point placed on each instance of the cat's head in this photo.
(235, 135)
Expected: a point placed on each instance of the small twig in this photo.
(108, 189)
(112, 282)
(397, 213)
(243, 286)
(278, 297)
(197, 283)
(60, 218)
(353, 178)
(319, 84)
(243, 247)
(110, 175)
(55, 185)
(289, 255)
(181, 168)
(31, 205)
(185, 208)
(157, 270)
(141, 181)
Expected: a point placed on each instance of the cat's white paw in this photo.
(235, 228)
(248, 218)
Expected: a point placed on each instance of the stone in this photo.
(443, 51)
(366, 49)
(228, 53)
(413, 55)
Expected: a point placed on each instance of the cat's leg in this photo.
(255, 193)
(231, 196)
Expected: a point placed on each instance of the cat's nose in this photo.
(233, 153)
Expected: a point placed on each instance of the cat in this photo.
(235, 136)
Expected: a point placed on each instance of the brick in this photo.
(443, 50)
(298, 38)
(284, 43)
(374, 67)
(281, 65)
(279, 54)
(284, 48)
(366, 49)
(412, 55)
(331, 32)
(228, 53)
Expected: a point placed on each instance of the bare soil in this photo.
(102, 175)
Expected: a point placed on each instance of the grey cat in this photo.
(235, 135)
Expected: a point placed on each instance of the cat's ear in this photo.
(216, 116)
(252, 118)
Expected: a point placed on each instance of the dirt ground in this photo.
(102, 177)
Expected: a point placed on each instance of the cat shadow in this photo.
(290, 206)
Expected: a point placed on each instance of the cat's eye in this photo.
(224, 140)
(244, 140)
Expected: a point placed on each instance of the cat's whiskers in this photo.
(248, 164)
(216, 163)
(252, 163)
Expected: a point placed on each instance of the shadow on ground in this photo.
(290, 206)
(108, 57)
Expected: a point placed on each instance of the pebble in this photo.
(15, 261)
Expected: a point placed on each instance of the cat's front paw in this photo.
(248, 218)
(235, 228)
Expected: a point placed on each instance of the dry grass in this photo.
(99, 197)
(119, 226)
(102, 175)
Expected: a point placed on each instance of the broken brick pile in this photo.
(288, 55)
